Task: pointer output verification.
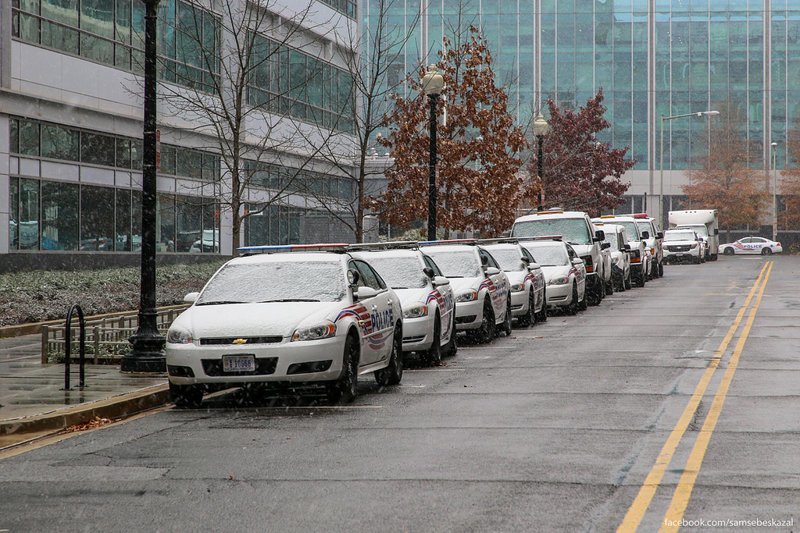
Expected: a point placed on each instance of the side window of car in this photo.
(571, 252)
(527, 254)
(369, 276)
(432, 264)
(491, 262)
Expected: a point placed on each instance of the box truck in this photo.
(704, 222)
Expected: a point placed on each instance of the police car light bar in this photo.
(448, 241)
(541, 238)
(499, 240)
(339, 247)
(389, 245)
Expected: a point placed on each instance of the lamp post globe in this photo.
(540, 129)
(432, 85)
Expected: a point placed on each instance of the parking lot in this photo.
(676, 401)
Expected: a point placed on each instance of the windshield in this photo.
(631, 229)
(313, 281)
(679, 236)
(457, 264)
(399, 272)
(611, 238)
(555, 255)
(509, 260)
(699, 229)
(572, 230)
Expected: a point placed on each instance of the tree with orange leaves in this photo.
(789, 218)
(479, 185)
(724, 180)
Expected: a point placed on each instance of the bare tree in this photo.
(242, 82)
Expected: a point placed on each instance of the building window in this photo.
(111, 32)
(97, 218)
(281, 178)
(346, 7)
(60, 215)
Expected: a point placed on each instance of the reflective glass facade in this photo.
(650, 57)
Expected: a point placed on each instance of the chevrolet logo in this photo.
(239, 341)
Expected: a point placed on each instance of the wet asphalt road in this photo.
(554, 428)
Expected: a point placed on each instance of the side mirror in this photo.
(660, 235)
(364, 292)
(492, 271)
(439, 281)
(645, 235)
(429, 272)
(605, 246)
(599, 235)
(191, 297)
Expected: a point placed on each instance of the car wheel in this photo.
(451, 348)
(542, 316)
(583, 305)
(506, 328)
(661, 269)
(530, 318)
(186, 396)
(345, 389)
(627, 281)
(610, 287)
(434, 353)
(486, 332)
(572, 308)
(728, 251)
(393, 373)
(642, 278)
(766, 251)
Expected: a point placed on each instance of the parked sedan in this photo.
(752, 245)
(564, 272)
(528, 295)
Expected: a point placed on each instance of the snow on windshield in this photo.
(679, 236)
(456, 264)
(509, 260)
(573, 230)
(315, 281)
(400, 272)
(555, 255)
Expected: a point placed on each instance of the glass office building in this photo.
(650, 57)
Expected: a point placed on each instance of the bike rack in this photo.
(68, 347)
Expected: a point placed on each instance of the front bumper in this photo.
(469, 315)
(680, 256)
(559, 295)
(188, 364)
(520, 303)
(417, 333)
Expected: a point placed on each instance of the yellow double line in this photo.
(683, 491)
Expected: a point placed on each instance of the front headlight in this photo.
(519, 287)
(652, 251)
(467, 296)
(416, 311)
(323, 331)
(179, 336)
(558, 281)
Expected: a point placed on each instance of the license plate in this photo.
(238, 363)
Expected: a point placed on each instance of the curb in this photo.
(116, 407)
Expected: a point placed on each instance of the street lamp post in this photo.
(774, 191)
(432, 83)
(661, 157)
(147, 354)
(540, 129)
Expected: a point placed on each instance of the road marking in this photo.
(683, 492)
(638, 508)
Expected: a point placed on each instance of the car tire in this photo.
(572, 308)
(528, 319)
(766, 251)
(661, 269)
(485, 333)
(728, 251)
(627, 283)
(186, 396)
(433, 354)
(345, 389)
(542, 315)
(507, 321)
(451, 348)
(393, 373)
(642, 278)
(583, 305)
(610, 287)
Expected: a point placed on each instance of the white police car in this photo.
(310, 315)
(482, 289)
(528, 293)
(429, 326)
(752, 245)
(564, 272)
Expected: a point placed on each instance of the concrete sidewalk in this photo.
(32, 398)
